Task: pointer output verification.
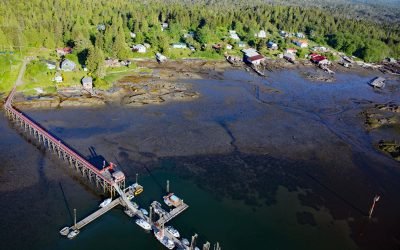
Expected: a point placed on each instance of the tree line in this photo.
(58, 23)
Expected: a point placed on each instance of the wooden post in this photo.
(167, 186)
(75, 218)
(376, 199)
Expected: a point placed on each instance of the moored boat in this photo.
(73, 234)
(143, 224)
(168, 243)
(105, 202)
(144, 211)
(173, 231)
(64, 231)
(185, 242)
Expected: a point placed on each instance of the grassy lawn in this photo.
(9, 69)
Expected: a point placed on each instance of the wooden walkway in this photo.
(96, 214)
(172, 214)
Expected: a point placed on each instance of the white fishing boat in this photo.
(185, 242)
(105, 202)
(64, 231)
(173, 231)
(144, 211)
(168, 243)
(73, 234)
(130, 196)
(143, 224)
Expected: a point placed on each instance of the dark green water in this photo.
(259, 169)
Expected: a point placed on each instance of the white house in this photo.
(87, 83)
(272, 45)
(233, 35)
(301, 43)
(68, 65)
(179, 46)
(261, 34)
(58, 77)
(291, 51)
(140, 48)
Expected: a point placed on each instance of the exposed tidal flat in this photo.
(281, 162)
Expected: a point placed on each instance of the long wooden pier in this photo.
(102, 179)
(172, 214)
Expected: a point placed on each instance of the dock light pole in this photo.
(376, 199)
(151, 214)
(75, 218)
(167, 186)
(137, 175)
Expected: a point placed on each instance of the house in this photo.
(160, 57)
(283, 33)
(140, 48)
(64, 51)
(250, 52)
(291, 51)
(320, 49)
(261, 34)
(319, 59)
(255, 60)
(189, 34)
(50, 64)
(164, 26)
(217, 46)
(290, 57)
(179, 46)
(272, 45)
(301, 43)
(229, 47)
(241, 44)
(67, 65)
(101, 27)
(87, 83)
(58, 77)
(233, 35)
(133, 35)
(300, 35)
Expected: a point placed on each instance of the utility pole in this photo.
(376, 199)
(167, 186)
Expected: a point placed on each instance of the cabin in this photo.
(67, 65)
(319, 59)
(301, 43)
(261, 34)
(139, 48)
(291, 51)
(160, 57)
(271, 45)
(101, 27)
(290, 57)
(283, 33)
(179, 45)
(377, 82)
(58, 77)
(50, 64)
(87, 83)
(233, 35)
(63, 51)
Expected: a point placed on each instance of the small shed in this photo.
(87, 83)
(179, 46)
(58, 77)
(241, 44)
(50, 64)
(261, 34)
(67, 65)
(228, 47)
(272, 45)
(140, 48)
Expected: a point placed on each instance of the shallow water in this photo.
(275, 163)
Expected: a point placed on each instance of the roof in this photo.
(255, 58)
(318, 58)
(87, 79)
(250, 52)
